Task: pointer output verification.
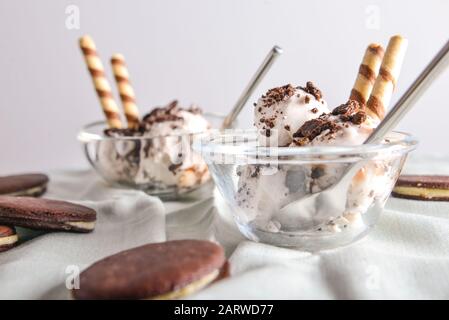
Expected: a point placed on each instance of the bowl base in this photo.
(174, 193)
(313, 241)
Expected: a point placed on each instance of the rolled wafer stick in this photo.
(101, 84)
(368, 71)
(388, 75)
(125, 89)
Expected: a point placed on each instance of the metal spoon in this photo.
(333, 198)
(274, 53)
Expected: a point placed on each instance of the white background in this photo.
(197, 51)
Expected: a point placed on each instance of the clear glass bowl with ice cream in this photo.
(258, 183)
(156, 157)
(151, 153)
(304, 176)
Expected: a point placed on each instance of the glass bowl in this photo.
(259, 182)
(164, 166)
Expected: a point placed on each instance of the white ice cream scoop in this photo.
(334, 197)
(282, 111)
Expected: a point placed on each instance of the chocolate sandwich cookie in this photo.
(167, 270)
(8, 238)
(32, 185)
(44, 214)
(422, 187)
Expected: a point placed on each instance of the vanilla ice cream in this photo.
(295, 117)
(346, 125)
(262, 190)
(161, 155)
(282, 111)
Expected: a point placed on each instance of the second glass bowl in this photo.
(260, 183)
(164, 166)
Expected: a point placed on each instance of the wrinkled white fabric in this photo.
(39, 267)
(406, 256)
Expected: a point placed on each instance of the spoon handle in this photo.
(255, 80)
(413, 93)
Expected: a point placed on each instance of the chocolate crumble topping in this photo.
(256, 172)
(313, 90)
(347, 109)
(317, 172)
(174, 166)
(269, 123)
(351, 111)
(268, 133)
(163, 114)
(125, 132)
(195, 110)
(301, 141)
(307, 99)
(277, 95)
(359, 117)
(313, 128)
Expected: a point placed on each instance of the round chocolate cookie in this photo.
(422, 187)
(166, 270)
(45, 214)
(33, 185)
(8, 238)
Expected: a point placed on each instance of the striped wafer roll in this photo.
(125, 89)
(387, 78)
(368, 71)
(101, 84)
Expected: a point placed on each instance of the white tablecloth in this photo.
(405, 256)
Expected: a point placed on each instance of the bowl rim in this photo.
(404, 143)
(86, 135)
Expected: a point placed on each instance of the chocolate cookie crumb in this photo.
(301, 141)
(125, 132)
(277, 95)
(346, 110)
(163, 114)
(312, 128)
(195, 110)
(359, 117)
(256, 172)
(351, 111)
(313, 90)
(267, 133)
(306, 99)
(317, 172)
(174, 166)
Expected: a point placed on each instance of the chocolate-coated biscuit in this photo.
(166, 270)
(33, 185)
(45, 214)
(422, 187)
(8, 238)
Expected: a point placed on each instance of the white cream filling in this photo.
(190, 288)
(422, 192)
(9, 240)
(82, 224)
(27, 192)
